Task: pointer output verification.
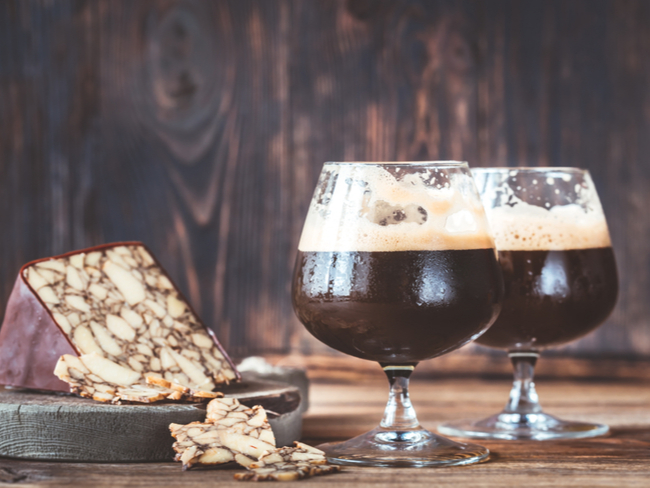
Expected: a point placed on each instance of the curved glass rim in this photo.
(443, 163)
(530, 169)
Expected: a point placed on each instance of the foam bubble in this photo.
(525, 227)
(368, 208)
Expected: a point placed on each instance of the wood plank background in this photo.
(199, 127)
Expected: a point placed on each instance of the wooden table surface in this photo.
(339, 411)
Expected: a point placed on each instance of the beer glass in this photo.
(396, 264)
(560, 283)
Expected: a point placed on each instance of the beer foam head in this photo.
(527, 227)
(524, 213)
(377, 207)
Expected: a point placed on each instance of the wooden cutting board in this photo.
(58, 427)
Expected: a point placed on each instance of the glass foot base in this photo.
(412, 448)
(514, 426)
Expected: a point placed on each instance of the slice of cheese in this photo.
(231, 432)
(288, 464)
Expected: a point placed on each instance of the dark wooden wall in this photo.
(200, 127)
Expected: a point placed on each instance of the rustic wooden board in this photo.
(200, 127)
(621, 459)
(50, 426)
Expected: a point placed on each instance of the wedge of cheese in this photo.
(107, 318)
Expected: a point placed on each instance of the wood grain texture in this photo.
(56, 427)
(339, 411)
(565, 84)
(52, 427)
(49, 116)
(466, 363)
(200, 127)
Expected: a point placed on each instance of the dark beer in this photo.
(552, 297)
(397, 307)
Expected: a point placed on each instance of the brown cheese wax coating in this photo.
(114, 308)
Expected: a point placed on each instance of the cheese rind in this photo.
(114, 301)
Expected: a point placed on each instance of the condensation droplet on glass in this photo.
(550, 181)
(566, 178)
(534, 182)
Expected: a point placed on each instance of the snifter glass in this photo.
(396, 264)
(560, 283)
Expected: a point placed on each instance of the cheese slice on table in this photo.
(288, 464)
(231, 432)
(107, 319)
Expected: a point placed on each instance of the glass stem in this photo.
(523, 397)
(399, 413)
